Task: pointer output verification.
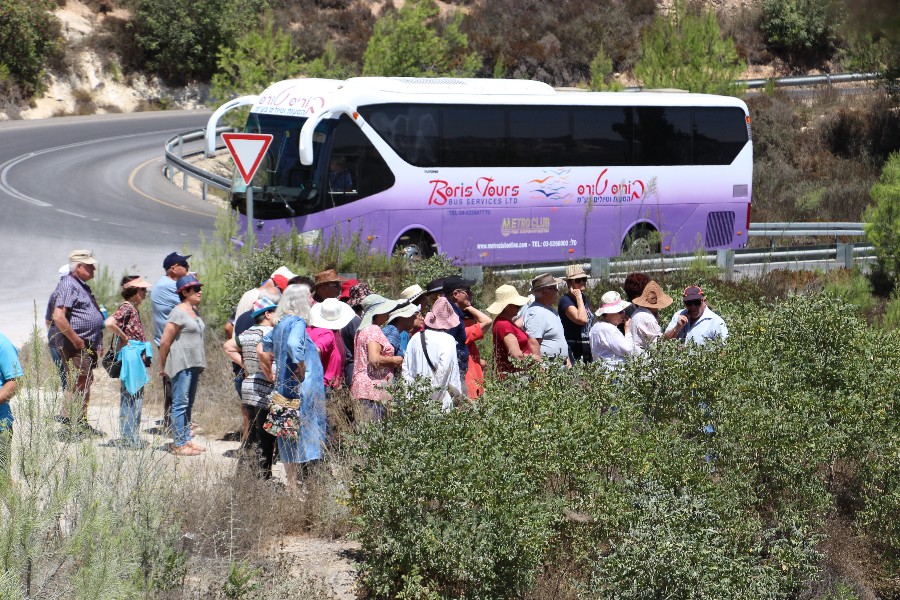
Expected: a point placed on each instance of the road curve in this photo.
(88, 182)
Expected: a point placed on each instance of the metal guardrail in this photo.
(176, 161)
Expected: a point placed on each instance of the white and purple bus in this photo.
(498, 172)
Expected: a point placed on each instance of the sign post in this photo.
(247, 151)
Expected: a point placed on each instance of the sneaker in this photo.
(61, 419)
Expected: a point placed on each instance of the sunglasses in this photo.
(193, 288)
(692, 302)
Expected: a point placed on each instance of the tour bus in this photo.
(497, 172)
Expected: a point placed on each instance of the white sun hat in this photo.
(331, 313)
(611, 303)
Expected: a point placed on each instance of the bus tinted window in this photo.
(538, 137)
(411, 130)
(662, 136)
(356, 169)
(719, 135)
(474, 137)
(601, 136)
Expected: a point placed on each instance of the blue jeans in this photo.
(56, 355)
(130, 407)
(184, 389)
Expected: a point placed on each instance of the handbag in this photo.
(111, 365)
(283, 419)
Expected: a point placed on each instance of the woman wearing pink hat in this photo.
(126, 324)
(608, 344)
(432, 354)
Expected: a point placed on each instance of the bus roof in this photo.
(308, 97)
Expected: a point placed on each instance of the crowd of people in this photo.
(294, 341)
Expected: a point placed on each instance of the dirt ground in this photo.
(327, 561)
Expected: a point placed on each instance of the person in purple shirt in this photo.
(77, 318)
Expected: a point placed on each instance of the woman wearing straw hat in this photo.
(645, 327)
(432, 354)
(510, 341)
(126, 324)
(575, 313)
(326, 319)
(608, 344)
(298, 375)
(373, 356)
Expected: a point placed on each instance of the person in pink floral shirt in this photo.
(373, 357)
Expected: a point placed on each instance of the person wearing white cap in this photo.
(608, 344)
(373, 357)
(326, 319)
(432, 354)
(126, 324)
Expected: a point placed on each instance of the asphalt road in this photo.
(88, 182)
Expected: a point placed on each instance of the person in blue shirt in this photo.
(697, 323)
(10, 372)
(164, 298)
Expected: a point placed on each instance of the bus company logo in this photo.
(552, 186)
(515, 226)
(287, 103)
(602, 190)
(485, 190)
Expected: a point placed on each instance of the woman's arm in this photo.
(377, 359)
(577, 313)
(512, 346)
(165, 343)
(233, 352)
(480, 318)
(111, 324)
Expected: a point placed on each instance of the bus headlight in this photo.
(311, 238)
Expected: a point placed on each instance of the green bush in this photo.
(800, 29)
(29, 37)
(180, 39)
(621, 477)
(685, 50)
(883, 217)
(407, 44)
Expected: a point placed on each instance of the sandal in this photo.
(195, 446)
(185, 451)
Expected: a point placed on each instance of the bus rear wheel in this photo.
(642, 240)
(415, 245)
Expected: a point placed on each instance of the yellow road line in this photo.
(157, 200)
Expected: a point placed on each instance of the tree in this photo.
(180, 39)
(882, 219)
(29, 36)
(602, 73)
(406, 44)
(800, 28)
(686, 50)
(259, 58)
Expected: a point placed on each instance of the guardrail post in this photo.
(844, 255)
(184, 178)
(473, 272)
(600, 268)
(725, 263)
(204, 188)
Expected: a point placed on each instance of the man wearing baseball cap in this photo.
(163, 298)
(77, 318)
(697, 323)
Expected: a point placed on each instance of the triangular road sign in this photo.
(247, 150)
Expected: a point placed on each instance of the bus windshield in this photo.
(282, 185)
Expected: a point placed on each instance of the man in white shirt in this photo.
(697, 323)
(431, 353)
(541, 322)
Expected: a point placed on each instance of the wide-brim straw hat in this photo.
(330, 313)
(442, 316)
(611, 303)
(653, 297)
(373, 305)
(544, 281)
(503, 297)
(329, 276)
(575, 272)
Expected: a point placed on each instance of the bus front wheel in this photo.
(642, 240)
(415, 245)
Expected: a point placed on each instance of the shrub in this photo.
(685, 50)
(800, 29)
(883, 217)
(407, 44)
(29, 37)
(180, 38)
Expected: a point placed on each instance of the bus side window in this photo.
(356, 170)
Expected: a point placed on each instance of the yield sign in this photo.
(247, 150)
